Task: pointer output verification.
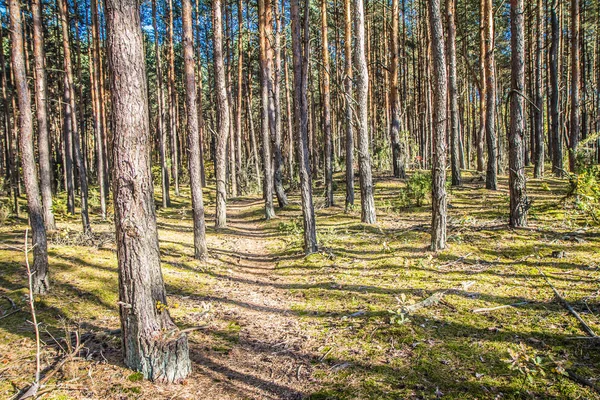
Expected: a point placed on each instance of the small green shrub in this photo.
(417, 190)
(585, 190)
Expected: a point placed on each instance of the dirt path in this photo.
(263, 355)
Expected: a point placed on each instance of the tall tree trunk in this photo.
(160, 120)
(222, 117)
(397, 151)
(328, 156)
(152, 343)
(41, 91)
(555, 131)
(240, 79)
(516, 136)
(482, 87)
(440, 88)
(99, 109)
(575, 82)
(300, 52)
(453, 89)
(193, 134)
(491, 178)
(349, 105)
(276, 108)
(264, 23)
(41, 282)
(71, 116)
(173, 121)
(539, 98)
(367, 199)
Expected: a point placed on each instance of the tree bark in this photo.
(328, 156)
(539, 98)
(264, 22)
(555, 132)
(367, 199)
(398, 162)
(491, 178)
(41, 91)
(453, 89)
(152, 343)
(41, 281)
(160, 120)
(276, 128)
(200, 250)
(99, 127)
(440, 87)
(240, 79)
(300, 52)
(222, 117)
(71, 127)
(575, 127)
(172, 102)
(482, 87)
(349, 104)
(516, 137)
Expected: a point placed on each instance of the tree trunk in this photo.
(575, 78)
(70, 121)
(491, 178)
(276, 127)
(482, 87)
(240, 79)
(98, 117)
(300, 65)
(41, 91)
(264, 23)
(152, 343)
(555, 132)
(516, 137)
(222, 117)
(349, 104)
(200, 250)
(397, 151)
(539, 98)
(172, 102)
(41, 281)
(453, 89)
(162, 133)
(367, 199)
(328, 156)
(440, 87)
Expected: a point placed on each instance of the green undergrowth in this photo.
(351, 295)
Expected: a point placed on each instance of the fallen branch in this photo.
(484, 310)
(435, 298)
(450, 263)
(582, 381)
(566, 304)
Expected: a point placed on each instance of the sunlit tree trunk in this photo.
(41, 281)
(349, 105)
(301, 53)
(453, 89)
(222, 117)
(328, 156)
(516, 136)
(539, 98)
(555, 131)
(491, 178)
(41, 94)
(71, 116)
(367, 199)
(440, 90)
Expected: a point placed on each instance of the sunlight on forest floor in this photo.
(277, 324)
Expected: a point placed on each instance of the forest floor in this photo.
(279, 325)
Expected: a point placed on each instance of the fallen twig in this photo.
(435, 298)
(483, 310)
(566, 304)
(450, 263)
